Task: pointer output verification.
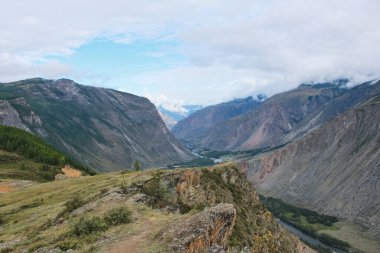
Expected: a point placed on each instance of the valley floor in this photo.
(355, 235)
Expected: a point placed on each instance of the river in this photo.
(308, 238)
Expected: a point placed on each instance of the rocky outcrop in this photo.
(240, 223)
(334, 169)
(103, 128)
(207, 231)
(9, 116)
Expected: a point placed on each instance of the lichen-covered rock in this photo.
(207, 231)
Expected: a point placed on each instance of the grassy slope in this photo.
(14, 166)
(25, 156)
(25, 212)
(28, 215)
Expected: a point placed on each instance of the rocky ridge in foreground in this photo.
(189, 210)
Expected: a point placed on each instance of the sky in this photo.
(191, 52)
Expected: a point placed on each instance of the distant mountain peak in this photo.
(171, 117)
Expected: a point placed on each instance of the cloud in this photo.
(170, 104)
(232, 48)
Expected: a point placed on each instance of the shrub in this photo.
(67, 244)
(136, 165)
(6, 250)
(155, 189)
(74, 203)
(124, 187)
(86, 226)
(118, 216)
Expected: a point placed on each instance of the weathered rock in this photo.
(207, 231)
(141, 198)
(183, 190)
(61, 177)
(113, 194)
(85, 208)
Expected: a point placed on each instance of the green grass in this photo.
(25, 156)
(13, 166)
(29, 214)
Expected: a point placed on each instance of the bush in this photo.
(86, 226)
(67, 244)
(136, 165)
(118, 216)
(74, 203)
(155, 189)
(124, 187)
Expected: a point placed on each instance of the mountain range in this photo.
(315, 147)
(249, 124)
(104, 129)
(334, 169)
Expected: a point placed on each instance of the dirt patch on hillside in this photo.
(70, 172)
(6, 187)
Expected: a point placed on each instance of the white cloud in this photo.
(170, 104)
(234, 48)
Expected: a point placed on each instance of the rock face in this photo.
(258, 125)
(334, 169)
(207, 231)
(103, 128)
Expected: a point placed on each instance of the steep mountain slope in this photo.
(104, 128)
(334, 169)
(261, 125)
(354, 96)
(25, 156)
(187, 210)
(198, 127)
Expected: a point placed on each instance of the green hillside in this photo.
(25, 156)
